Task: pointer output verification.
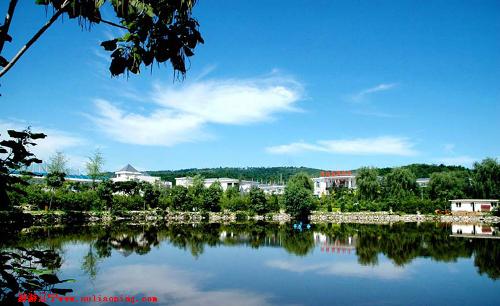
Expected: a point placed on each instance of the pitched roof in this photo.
(128, 168)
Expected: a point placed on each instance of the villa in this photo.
(329, 179)
(472, 205)
(129, 173)
(474, 231)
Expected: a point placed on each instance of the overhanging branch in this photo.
(34, 38)
(113, 24)
(6, 24)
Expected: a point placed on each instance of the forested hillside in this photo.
(263, 174)
(277, 174)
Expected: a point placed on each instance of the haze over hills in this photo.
(282, 174)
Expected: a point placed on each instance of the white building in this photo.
(473, 205)
(224, 182)
(331, 179)
(423, 181)
(272, 188)
(243, 185)
(184, 181)
(129, 173)
(480, 230)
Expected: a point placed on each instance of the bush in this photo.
(298, 201)
(211, 197)
(165, 200)
(124, 202)
(236, 203)
(273, 203)
(36, 196)
(151, 196)
(241, 216)
(179, 198)
(82, 201)
(257, 201)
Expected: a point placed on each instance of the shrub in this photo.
(241, 216)
(298, 201)
(257, 201)
(124, 202)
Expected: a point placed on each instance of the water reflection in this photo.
(168, 283)
(399, 242)
(114, 261)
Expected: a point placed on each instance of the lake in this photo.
(272, 264)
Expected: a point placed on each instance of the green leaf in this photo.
(50, 278)
(61, 291)
(38, 136)
(118, 66)
(109, 45)
(17, 134)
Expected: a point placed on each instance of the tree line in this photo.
(402, 243)
(397, 190)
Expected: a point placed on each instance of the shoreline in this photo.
(82, 217)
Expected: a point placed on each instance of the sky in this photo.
(335, 85)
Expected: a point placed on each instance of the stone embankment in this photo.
(386, 217)
(161, 216)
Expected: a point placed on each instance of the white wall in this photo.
(467, 206)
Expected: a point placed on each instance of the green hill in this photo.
(277, 174)
(263, 174)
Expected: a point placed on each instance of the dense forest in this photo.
(261, 174)
(282, 174)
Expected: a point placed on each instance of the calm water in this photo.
(266, 264)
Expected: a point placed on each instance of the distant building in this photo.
(242, 185)
(184, 181)
(224, 182)
(129, 173)
(474, 231)
(423, 181)
(473, 205)
(272, 188)
(330, 179)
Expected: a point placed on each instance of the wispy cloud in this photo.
(385, 145)
(383, 270)
(181, 113)
(361, 95)
(56, 140)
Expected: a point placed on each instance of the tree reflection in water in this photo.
(400, 242)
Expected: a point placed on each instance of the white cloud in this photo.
(162, 127)
(384, 270)
(385, 145)
(363, 93)
(295, 147)
(56, 140)
(184, 111)
(171, 286)
(463, 160)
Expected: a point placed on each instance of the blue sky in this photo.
(334, 85)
